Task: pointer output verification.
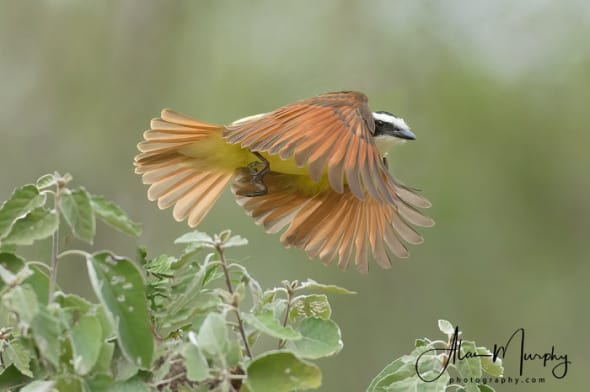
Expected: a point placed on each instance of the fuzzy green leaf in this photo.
(22, 201)
(469, 367)
(320, 338)
(114, 216)
(197, 237)
(86, 339)
(311, 284)
(234, 241)
(47, 333)
(16, 354)
(39, 386)
(7, 277)
(496, 368)
(313, 305)
(213, 335)
(78, 213)
(31, 274)
(7, 248)
(281, 371)
(267, 323)
(197, 368)
(23, 301)
(395, 371)
(415, 384)
(446, 327)
(120, 287)
(105, 358)
(46, 181)
(38, 224)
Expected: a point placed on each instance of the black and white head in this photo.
(390, 130)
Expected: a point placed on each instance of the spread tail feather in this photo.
(190, 184)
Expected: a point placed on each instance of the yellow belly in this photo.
(214, 151)
(288, 166)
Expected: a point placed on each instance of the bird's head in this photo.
(390, 130)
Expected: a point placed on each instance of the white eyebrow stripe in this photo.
(395, 121)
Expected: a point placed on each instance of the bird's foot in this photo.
(258, 170)
(255, 167)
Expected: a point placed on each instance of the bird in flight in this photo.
(317, 167)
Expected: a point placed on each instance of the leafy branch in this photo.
(195, 321)
(187, 322)
(433, 364)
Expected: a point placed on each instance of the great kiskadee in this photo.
(317, 166)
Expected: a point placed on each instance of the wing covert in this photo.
(331, 133)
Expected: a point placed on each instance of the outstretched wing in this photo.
(333, 226)
(331, 132)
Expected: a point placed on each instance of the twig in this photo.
(55, 242)
(282, 342)
(219, 249)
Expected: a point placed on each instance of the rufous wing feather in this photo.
(331, 133)
(329, 225)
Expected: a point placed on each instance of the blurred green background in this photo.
(498, 94)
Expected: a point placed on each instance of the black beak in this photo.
(403, 134)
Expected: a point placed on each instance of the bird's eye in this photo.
(379, 122)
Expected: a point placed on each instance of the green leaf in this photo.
(135, 384)
(196, 237)
(86, 339)
(39, 281)
(39, 386)
(32, 274)
(10, 265)
(415, 384)
(400, 375)
(485, 388)
(233, 353)
(22, 201)
(281, 371)
(23, 301)
(11, 379)
(320, 338)
(69, 383)
(77, 211)
(394, 371)
(234, 241)
(161, 264)
(123, 369)
(469, 367)
(213, 335)
(310, 284)
(197, 368)
(119, 285)
(16, 354)
(7, 248)
(267, 323)
(47, 333)
(313, 305)
(99, 382)
(114, 216)
(7, 277)
(46, 181)
(446, 327)
(421, 342)
(492, 368)
(38, 224)
(105, 357)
